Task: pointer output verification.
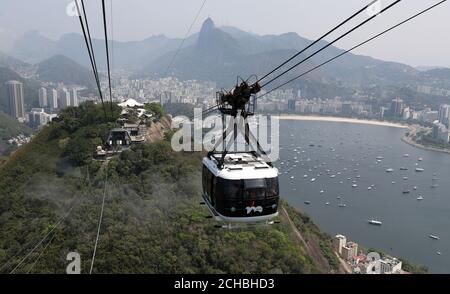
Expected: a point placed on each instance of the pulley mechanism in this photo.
(237, 100)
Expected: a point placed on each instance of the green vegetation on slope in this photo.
(152, 222)
(317, 238)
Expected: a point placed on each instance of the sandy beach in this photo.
(342, 119)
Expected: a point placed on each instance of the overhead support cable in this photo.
(331, 43)
(185, 37)
(99, 221)
(88, 42)
(107, 53)
(319, 39)
(355, 47)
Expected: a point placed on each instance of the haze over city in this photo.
(139, 19)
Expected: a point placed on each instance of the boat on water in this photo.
(321, 191)
(313, 179)
(375, 222)
(434, 183)
(434, 237)
(307, 202)
(369, 188)
(420, 198)
(420, 159)
(415, 187)
(406, 191)
(406, 155)
(403, 168)
(354, 185)
(328, 203)
(389, 170)
(379, 158)
(419, 169)
(438, 253)
(341, 204)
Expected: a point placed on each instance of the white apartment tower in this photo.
(53, 100)
(43, 101)
(444, 114)
(64, 100)
(14, 94)
(339, 241)
(74, 97)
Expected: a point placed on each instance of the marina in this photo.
(360, 170)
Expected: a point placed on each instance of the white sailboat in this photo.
(375, 222)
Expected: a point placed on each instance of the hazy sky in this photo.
(425, 41)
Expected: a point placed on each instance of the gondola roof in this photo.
(240, 166)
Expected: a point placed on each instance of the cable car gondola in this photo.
(244, 189)
(240, 186)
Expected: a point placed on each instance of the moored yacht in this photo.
(375, 222)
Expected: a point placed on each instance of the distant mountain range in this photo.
(221, 54)
(12, 62)
(60, 68)
(56, 69)
(32, 47)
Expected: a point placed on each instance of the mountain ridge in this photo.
(62, 69)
